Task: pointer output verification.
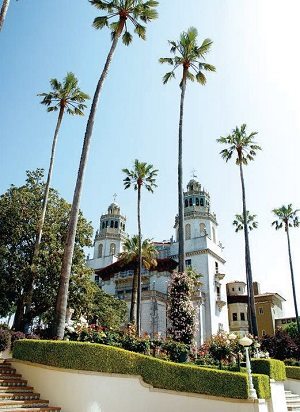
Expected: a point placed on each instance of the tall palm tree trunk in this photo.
(62, 297)
(43, 214)
(251, 302)
(181, 256)
(139, 289)
(292, 278)
(3, 12)
(133, 305)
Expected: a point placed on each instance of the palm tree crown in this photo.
(239, 222)
(142, 174)
(239, 142)
(131, 252)
(287, 217)
(125, 11)
(190, 56)
(66, 95)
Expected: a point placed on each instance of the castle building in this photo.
(203, 252)
(268, 308)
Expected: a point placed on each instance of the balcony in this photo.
(219, 276)
(220, 302)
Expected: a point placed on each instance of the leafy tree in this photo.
(245, 148)
(280, 346)
(239, 222)
(287, 217)
(141, 175)
(181, 310)
(65, 97)
(20, 209)
(132, 253)
(133, 11)
(292, 330)
(190, 57)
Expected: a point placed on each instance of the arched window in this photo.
(112, 250)
(100, 250)
(116, 224)
(201, 202)
(214, 235)
(187, 231)
(186, 203)
(103, 225)
(197, 201)
(112, 224)
(202, 229)
(191, 201)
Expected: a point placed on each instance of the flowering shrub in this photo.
(16, 336)
(4, 339)
(181, 311)
(176, 351)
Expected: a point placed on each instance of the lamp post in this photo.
(246, 343)
(257, 346)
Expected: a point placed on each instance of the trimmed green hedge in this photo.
(274, 368)
(293, 372)
(156, 372)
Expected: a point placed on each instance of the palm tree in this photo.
(243, 145)
(64, 97)
(125, 11)
(239, 222)
(142, 174)
(131, 254)
(3, 12)
(287, 217)
(189, 56)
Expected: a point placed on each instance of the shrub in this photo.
(156, 372)
(261, 384)
(293, 372)
(4, 339)
(291, 362)
(177, 352)
(274, 368)
(280, 346)
(16, 336)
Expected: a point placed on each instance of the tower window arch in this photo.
(201, 201)
(112, 250)
(186, 203)
(111, 223)
(187, 231)
(116, 224)
(197, 201)
(103, 225)
(100, 250)
(202, 229)
(191, 201)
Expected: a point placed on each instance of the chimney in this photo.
(256, 288)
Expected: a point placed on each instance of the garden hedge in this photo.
(156, 372)
(293, 372)
(274, 368)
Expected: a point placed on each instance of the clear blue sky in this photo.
(256, 53)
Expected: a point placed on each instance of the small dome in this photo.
(193, 186)
(114, 208)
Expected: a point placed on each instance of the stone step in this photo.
(31, 403)
(13, 382)
(291, 396)
(46, 409)
(8, 370)
(19, 395)
(10, 376)
(4, 389)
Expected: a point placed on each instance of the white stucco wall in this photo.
(277, 403)
(78, 391)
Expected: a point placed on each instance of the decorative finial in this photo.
(115, 196)
(194, 176)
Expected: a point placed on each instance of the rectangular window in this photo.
(234, 316)
(217, 267)
(242, 316)
(263, 332)
(188, 262)
(97, 279)
(260, 311)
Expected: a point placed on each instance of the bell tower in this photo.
(109, 237)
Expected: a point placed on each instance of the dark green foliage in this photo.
(4, 339)
(293, 372)
(16, 336)
(274, 368)
(291, 362)
(280, 346)
(261, 384)
(177, 351)
(158, 373)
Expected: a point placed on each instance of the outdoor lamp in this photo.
(257, 346)
(232, 336)
(246, 343)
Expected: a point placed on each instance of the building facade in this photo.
(203, 252)
(268, 307)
